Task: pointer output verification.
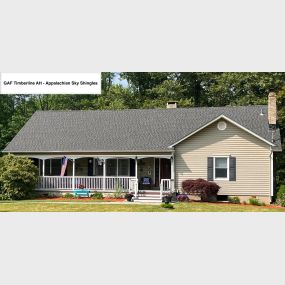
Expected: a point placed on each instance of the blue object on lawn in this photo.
(81, 192)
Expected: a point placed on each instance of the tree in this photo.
(18, 177)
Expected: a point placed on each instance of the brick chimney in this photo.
(171, 105)
(272, 109)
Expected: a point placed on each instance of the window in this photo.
(111, 167)
(98, 167)
(221, 168)
(123, 167)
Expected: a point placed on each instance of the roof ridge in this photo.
(155, 109)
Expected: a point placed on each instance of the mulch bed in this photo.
(81, 199)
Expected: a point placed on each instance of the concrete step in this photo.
(149, 195)
(143, 200)
(148, 198)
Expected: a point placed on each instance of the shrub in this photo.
(68, 195)
(51, 195)
(234, 200)
(281, 196)
(18, 177)
(167, 198)
(182, 198)
(97, 195)
(167, 206)
(206, 190)
(256, 202)
(118, 193)
(129, 196)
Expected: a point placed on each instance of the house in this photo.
(151, 151)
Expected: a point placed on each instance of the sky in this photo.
(117, 80)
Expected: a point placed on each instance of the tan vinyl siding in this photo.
(252, 159)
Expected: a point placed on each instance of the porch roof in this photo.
(127, 130)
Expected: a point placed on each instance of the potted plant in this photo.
(129, 196)
(81, 186)
(167, 198)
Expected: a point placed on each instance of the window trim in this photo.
(228, 168)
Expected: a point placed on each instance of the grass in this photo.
(40, 206)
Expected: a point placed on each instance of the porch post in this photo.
(136, 167)
(73, 174)
(136, 173)
(172, 167)
(172, 180)
(50, 167)
(44, 167)
(104, 174)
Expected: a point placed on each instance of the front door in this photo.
(165, 168)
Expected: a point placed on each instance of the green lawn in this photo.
(41, 206)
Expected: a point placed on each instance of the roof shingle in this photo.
(128, 130)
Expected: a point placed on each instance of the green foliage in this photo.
(281, 196)
(97, 195)
(118, 193)
(256, 202)
(68, 195)
(234, 200)
(52, 195)
(167, 205)
(18, 177)
(153, 90)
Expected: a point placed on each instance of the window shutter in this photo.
(210, 168)
(232, 169)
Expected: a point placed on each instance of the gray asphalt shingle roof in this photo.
(127, 130)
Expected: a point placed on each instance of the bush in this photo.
(118, 193)
(167, 206)
(256, 202)
(129, 196)
(234, 200)
(281, 196)
(182, 198)
(51, 195)
(97, 195)
(167, 198)
(18, 177)
(206, 190)
(68, 195)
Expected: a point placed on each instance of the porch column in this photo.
(44, 167)
(104, 174)
(50, 167)
(136, 167)
(172, 167)
(73, 174)
(172, 180)
(136, 173)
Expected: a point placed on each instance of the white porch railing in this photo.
(90, 182)
(166, 185)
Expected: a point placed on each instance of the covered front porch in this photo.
(106, 173)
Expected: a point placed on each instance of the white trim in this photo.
(271, 174)
(228, 168)
(44, 167)
(97, 156)
(159, 162)
(225, 118)
(73, 174)
(87, 151)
